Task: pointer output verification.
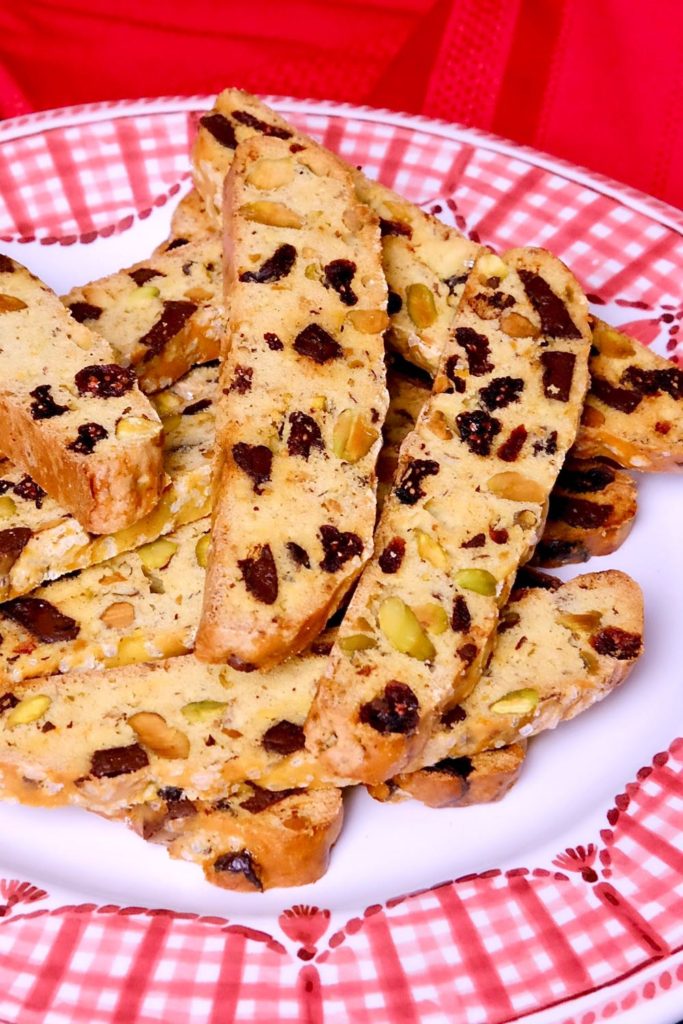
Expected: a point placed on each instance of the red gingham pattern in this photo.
(480, 950)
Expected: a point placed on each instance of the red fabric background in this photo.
(599, 82)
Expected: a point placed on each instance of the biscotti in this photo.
(190, 223)
(73, 419)
(160, 316)
(482, 778)
(252, 840)
(634, 410)
(39, 540)
(302, 403)
(467, 508)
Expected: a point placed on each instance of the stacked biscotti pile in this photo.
(249, 558)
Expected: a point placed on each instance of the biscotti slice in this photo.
(482, 778)
(634, 410)
(74, 420)
(136, 607)
(250, 841)
(468, 507)
(39, 540)
(160, 316)
(302, 403)
(592, 511)
(190, 223)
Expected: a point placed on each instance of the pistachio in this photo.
(136, 426)
(430, 550)
(276, 215)
(172, 423)
(153, 732)
(11, 304)
(402, 629)
(433, 617)
(489, 265)
(312, 272)
(201, 550)
(267, 174)
(118, 615)
(7, 507)
(517, 702)
(481, 581)
(203, 710)
(516, 487)
(590, 661)
(611, 343)
(517, 326)
(319, 403)
(353, 437)
(356, 642)
(526, 519)
(28, 710)
(166, 403)
(421, 305)
(581, 621)
(142, 295)
(369, 321)
(157, 554)
(131, 650)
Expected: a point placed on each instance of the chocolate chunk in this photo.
(43, 406)
(249, 121)
(510, 449)
(586, 481)
(107, 380)
(478, 541)
(460, 767)
(177, 243)
(317, 344)
(579, 512)
(616, 398)
(654, 382)
(556, 552)
(6, 264)
(240, 863)
(508, 621)
(555, 319)
(547, 446)
(7, 702)
(239, 665)
(256, 460)
(12, 543)
(392, 556)
(396, 711)
(284, 738)
(451, 366)
(558, 373)
(87, 436)
(477, 429)
(409, 489)
(339, 547)
(339, 275)
(265, 798)
(273, 342)
(82, 311)
(29, 490)
(242, 380)
(394, 227)
(455, 282)
(170, 793)
(41, 619)
(299, 554)
(276, 267)
(144, 274)
(174, 316)
(259, 573)
(467, 653)
(461, 620)
(394, 303)
(477, 349)
(196, 407)
(113, 761)
(501, 392)
(222, 130)
(321, 648)
(451, 716)
(182, 808)
(617, 643)
(304, 435)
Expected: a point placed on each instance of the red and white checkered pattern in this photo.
(481, 950)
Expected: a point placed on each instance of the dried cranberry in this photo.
(43, 406)
(555, 319)
(498, 536)
(82, 311)
(396, 711)
(222, 130)
(108, 380)
(87, 436)
(29, 490)
(467, 653)
(13, 542)
(617, 643)
(144, 274)
(41, 619)
(339, 275)
(304, 435)
(284, 738)
(509, 621)
(501, 392)
(6, 264)
(7, 702)
(276, 267)
(477, 429)
(256, 460)
(477, 541)
(394, 303)
(197, 407)
(177, 243)
(586, 515)
(250, 121)
(451, 366)
(509, 450)
(392, 556)
(394, 227)
(242, 380)
(240, 863)
(477, 349)
(586, 480)
(113, 761)
(654, 382)
(339, 547)
(460, 767)
(321, 648)
(616, 398)
(558, 373)
(273, 342)
(461, 620)
(259, 573)
(451, 716)
(409, 489)
(299, 554)
(262, 799)
(315, 343)
(174, 316)
(547, 445)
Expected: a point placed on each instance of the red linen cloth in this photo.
(599, 82)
